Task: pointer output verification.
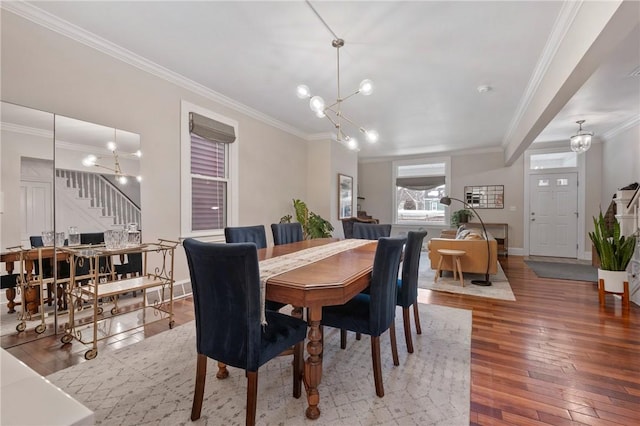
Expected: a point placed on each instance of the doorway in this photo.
(553, 214)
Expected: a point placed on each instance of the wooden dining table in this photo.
(330, 281)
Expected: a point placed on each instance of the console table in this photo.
(500, 232)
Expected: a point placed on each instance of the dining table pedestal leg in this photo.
(313, 364)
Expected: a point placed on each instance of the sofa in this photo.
(473, 243)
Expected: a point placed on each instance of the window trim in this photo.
(394, 192)
(185, 173)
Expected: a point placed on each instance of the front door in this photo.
(553, 217)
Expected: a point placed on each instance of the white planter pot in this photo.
(613, 280)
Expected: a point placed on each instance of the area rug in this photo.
(152, 382)
(563, 271)
(499, 288)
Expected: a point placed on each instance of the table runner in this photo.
(285, 263)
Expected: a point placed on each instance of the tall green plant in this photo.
(313, 225)
(615, 250)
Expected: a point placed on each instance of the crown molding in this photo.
(560, 29)
(69, 30)
(625, 125)
(321, 136)
(26, 130)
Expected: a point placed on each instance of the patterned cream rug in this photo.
(499, 288)
(152, 382)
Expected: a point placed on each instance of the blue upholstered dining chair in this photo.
(246, 234)
(408, 284)
(251, 234)
(371, 231)
(373, 313)
(226, 295)
(285, 233)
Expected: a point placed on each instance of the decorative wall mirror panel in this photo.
(485, 196)
(34, 189)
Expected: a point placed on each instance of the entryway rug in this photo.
(152, 382)
(499, 288)
(563, 271)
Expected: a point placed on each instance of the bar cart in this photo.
(102, 287)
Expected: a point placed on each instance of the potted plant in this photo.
(313, 225)
(461, 216)
(615, 252)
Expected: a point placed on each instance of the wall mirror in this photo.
(485, 196)
(345, 196)
(45, 174)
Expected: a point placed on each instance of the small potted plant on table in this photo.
(461, 216)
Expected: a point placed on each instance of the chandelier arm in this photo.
(332, 122)
(352, 122)
(347, 97)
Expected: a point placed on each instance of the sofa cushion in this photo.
(469, 234)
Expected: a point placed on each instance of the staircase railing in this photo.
(102, 194)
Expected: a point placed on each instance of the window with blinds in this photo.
(209, 172)
(209, 179)
(419, 185)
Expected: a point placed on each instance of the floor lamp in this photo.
(447, 202)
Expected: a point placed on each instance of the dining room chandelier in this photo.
(333, 112)
(121, 177)
(581, 141)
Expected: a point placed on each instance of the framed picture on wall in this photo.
(345, 196)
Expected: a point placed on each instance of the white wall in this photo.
(47, 71)
(620, 162)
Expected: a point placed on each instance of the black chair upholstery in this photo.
(371, 231)
(251, 234)
(347, 225)
(246, 234)
(408, 284)
(226, 293)
(373, 313)
(92, 238)
(285, 233)
(9, 281)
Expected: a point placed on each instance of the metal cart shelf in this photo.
(101, 286)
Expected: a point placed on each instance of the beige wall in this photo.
(44, 70)
(489, 169)
(375, 181)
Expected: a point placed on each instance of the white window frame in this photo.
(394, 192)
(232, 200)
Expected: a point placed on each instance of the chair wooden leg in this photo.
(222, 373)
(394, 344)
(416, 317)
(343, 338)
(601, 291)
(298, 364)
(407, 329)
(438, 270)
(377, 365)
(252, 397)
(201, 374)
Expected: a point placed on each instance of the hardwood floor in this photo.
(551, 357)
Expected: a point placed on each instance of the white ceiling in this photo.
(426, 60)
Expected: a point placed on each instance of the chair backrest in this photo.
(384, 278)
(285, 233)
(226, 296)
(36, 241)
(246, 234)
(92, 238)
(408, 291)
(371, 231)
